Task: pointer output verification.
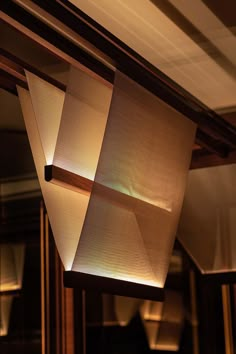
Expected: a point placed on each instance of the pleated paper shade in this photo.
(11, 267)
(120, 161)
(207, 226)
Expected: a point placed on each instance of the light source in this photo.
(118, 162)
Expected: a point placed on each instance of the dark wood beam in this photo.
(14, 68)
(78, 280)
(202, 158)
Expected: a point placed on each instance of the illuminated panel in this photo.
(129, 229)
(83, 123)
(54, 118)
(5, 312)
(66, 208)
(125, 228)
(47, 101)
(151, 310)
(168, 336)
(118, 310)
(11, 267)
(207, 224)
(163, 322)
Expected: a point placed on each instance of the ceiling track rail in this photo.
(214, 134)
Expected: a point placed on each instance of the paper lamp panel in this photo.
(135, 150)
(163, 321)
(5, 313)
(118, 310)
(207, 225)
(130, 225)
(66, 209)
(11, 267)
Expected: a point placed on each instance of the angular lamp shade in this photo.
(5, 312)
(11, 267)
(207, 227)
(118, 161)
(119, 310)
(163, 321)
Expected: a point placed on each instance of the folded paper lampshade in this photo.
(11, 267)
(5, 312)
(163, 321)
(207, 226)
(119, 310)
(118, 162)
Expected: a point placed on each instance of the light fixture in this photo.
(118, 310)
(207, 225)
(163, 321)
(118, 160)
(5, 312)
(11, 267)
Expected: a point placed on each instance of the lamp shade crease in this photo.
(135, 150)
(207, 225)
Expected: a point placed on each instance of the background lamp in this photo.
(207, 225)
(163, 321)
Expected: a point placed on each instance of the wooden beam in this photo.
(85, 281)
(68, 179)
(83, 185)
(202, 158)
(14, 68)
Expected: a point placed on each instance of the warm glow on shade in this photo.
(207, 225)
(134, 149)
(5, 312)
(11, 267)
(163, 321)
(118, 310)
